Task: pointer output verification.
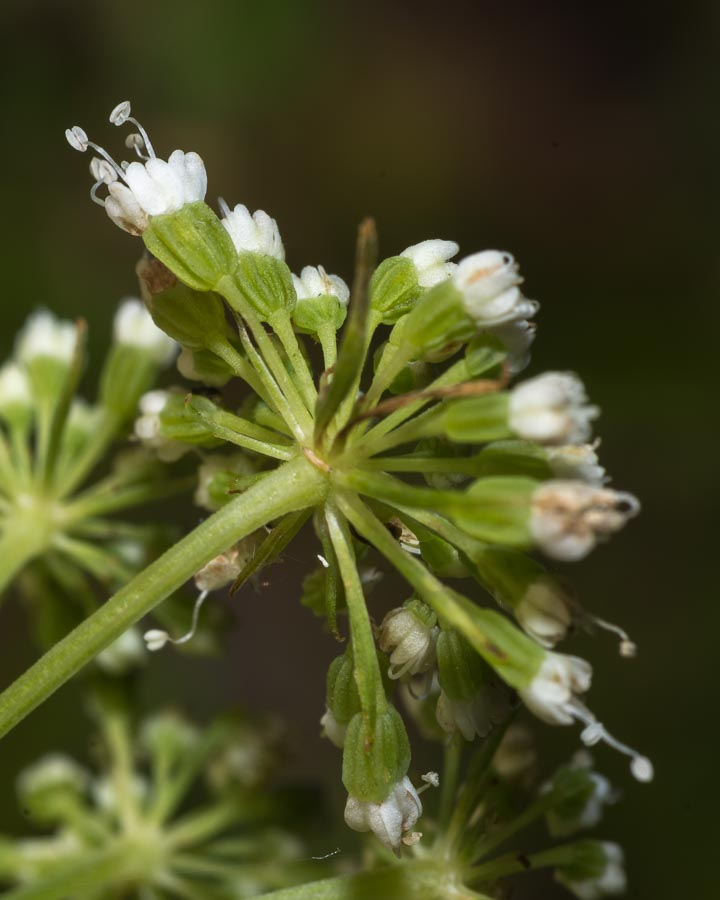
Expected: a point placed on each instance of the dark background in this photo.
(581, 137)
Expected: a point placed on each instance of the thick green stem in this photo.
(293, 486)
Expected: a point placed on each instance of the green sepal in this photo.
(375, 758)
(224, 425)
(205, 367)
(312, 314)
(514, 458)
(179, 421)
(484, 354)
(587, 863)
(571, 787)
(195, 319)
(477, 419)
(422, 612)
(497, 510)
(265, 284)
(341, 693)
(461, 671)
(438, 319)
(193, 244)
(394, 289)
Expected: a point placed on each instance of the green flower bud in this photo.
(52, 784)
(265, 283)
(342, 697)
(394, 289)
(195, 319)
(514, 458)
(16, 400)
(193, 244)
(168, 736)
(477, 419)
(376, 755)
(594, 870)
(409, 635)
(580, 797)
(322, 301)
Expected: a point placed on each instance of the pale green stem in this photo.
(21, 541)
(424, 425)
(367, 669)
(206, 823)
(461, 465)
(328, 341)
(448, 785)
(282, 327)
(104, 498)
(279, 401)
(117, 736)
(412, 879)
(388, 372)
(229, 289)
(512, 864)
(294, 486)
(99, 441)
(240, 366)
(501, 833)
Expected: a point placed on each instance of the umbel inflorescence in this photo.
(412, 441)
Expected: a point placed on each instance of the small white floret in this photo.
(432, 261)
(552, 409)
(253, 233)
(134, 326)
(314, 281)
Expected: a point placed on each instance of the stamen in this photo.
(223, 207)
(628, 648)
(135, 142)
(156, 639)
(77, 138)
(431, 779)
(595, 731)
(323, 562)
(102, 171)
(121, 114)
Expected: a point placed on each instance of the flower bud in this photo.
(394, 289)
(577, 462)
(581, 796)
(568, 518)
(431, 261)
(473, 700)
(544, 611)
(255, 233)
(46, 347)
(322, 300)
(488, 283)
(16, 400)
(551, 693)
(390, 818)
(168, 736)
(516, 754)
(342, 698)
(376, 756)
(551, 409)
(47, 787)
(168, 426)
(134, 327)
(496, 510)
(596, 871)
(409, 634)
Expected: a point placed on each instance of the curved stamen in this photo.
(122, 114)
(135, 142)
(595, 731)
(156, 639)
(628, 648)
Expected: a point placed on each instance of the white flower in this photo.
(431, 261)
(611, 882)
(52, 772)
(124, 654)
(333, 730)
(134, 326)
(148, 427)
(597, 794)
(551, 409)
(256, 233)
(551, 693)
(477, 715)
(568, 518)
(143, 189)
(15, 389)
(488, 282)
(517, 336)
(577, 461)
(544, 611)
(44, 335)
(390, 819)
(410, 642)
(314, 281)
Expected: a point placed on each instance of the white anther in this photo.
(77, 138)
(628, 648)
(414, 837)
(594, 732)
(155, 639)
(642, 769)
(102, 171)
(323, 562)
(431, 779)
(121, 113)
(135, 142)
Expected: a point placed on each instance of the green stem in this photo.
(93, 451)
(513, 863)
(20, 542)
(499, 835)
(414, 878)
(328, 341)
(462, 465)
(367, 669)
(282, 327)
(448, 785)
(205, 824)
(295, 485)
(240, 366)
